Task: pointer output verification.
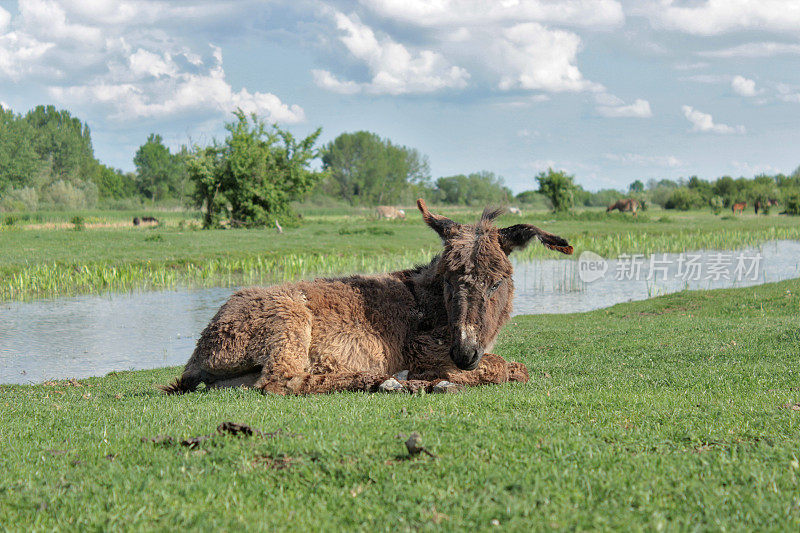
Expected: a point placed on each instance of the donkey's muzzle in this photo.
(466, 356)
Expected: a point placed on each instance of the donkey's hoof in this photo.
(391, 385)
(445, 387)
(402, 375)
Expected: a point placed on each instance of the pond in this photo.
(93, 335)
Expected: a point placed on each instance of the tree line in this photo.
(257, 171)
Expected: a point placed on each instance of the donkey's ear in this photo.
(440, 224)
(517, 237)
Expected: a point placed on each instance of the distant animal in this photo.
(137, 221)
(759, 205)
(739, 207)
(436, 320)
(278, 226)
(515, 211)
(625, 205)
(390, 213)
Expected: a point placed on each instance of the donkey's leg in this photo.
(492, 369)
(327, 383)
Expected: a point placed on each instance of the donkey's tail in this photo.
(181, 385)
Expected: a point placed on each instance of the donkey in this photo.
(390, 212)
(435, 320)
(739, 207)
(625, 205)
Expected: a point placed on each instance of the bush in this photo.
(78, 223)
(717, 203)
(684, 199)
(792, 203)
(558, 187)
(70, 196)
(24, 199)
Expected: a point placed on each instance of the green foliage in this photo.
(791, 202)
(636, 187)
(48, 151)
(479, 188)
(717, 204)
(365, 169)
(160, 174)
(78, 223)
(558, 187)
(684, 199)
(254, 175)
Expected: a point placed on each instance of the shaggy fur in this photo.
(626, 205)
(353, 333)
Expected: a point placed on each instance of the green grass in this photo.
(661, 414)
(53, 262)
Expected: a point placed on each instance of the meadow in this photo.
(676, 413)
(44, 255)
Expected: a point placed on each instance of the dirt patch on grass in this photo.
(281, 462)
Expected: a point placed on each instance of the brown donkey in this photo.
(625, 205)
(436, 321)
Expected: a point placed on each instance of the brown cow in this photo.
(626, 205)
(435, 320)
(739, 208)
(389, 212)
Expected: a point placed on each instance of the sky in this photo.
(609, 91)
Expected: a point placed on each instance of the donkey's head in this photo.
(476, 277)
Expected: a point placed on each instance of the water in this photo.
(93, 335)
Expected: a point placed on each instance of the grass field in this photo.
(676, 413)
(43, 257)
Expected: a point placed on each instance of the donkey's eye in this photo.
(495, 286)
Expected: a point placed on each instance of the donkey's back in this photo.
(358, 323)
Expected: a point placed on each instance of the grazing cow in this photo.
(390, 213)
(625, 205)
(435, 320)
(144, 220)
(515, 211)
(739, 207)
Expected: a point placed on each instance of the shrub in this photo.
(792, 203)
(24, 199)
(684, 199)
(78, 223)
(717, 203)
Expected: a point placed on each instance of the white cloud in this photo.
(788, 93)
(714, 17)
(158, 89)
(754, 169)
(751, 50)
(638, 109)
(690, 66)
(743, 86)
(667, 161)
(125, 57)
(534, 57)
(394, 69)
(705, 122)
(4, 105)
(5, 18)
(592, 14)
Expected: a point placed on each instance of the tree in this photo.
(158, 171)
(558, 187)
(370, 170)
(19, 161)
(255, 174)
(479, 188)
(636, 187)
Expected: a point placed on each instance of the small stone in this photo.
(445, 387)
(391, 385)
(402, 375)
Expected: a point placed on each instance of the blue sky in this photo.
(609, 91)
